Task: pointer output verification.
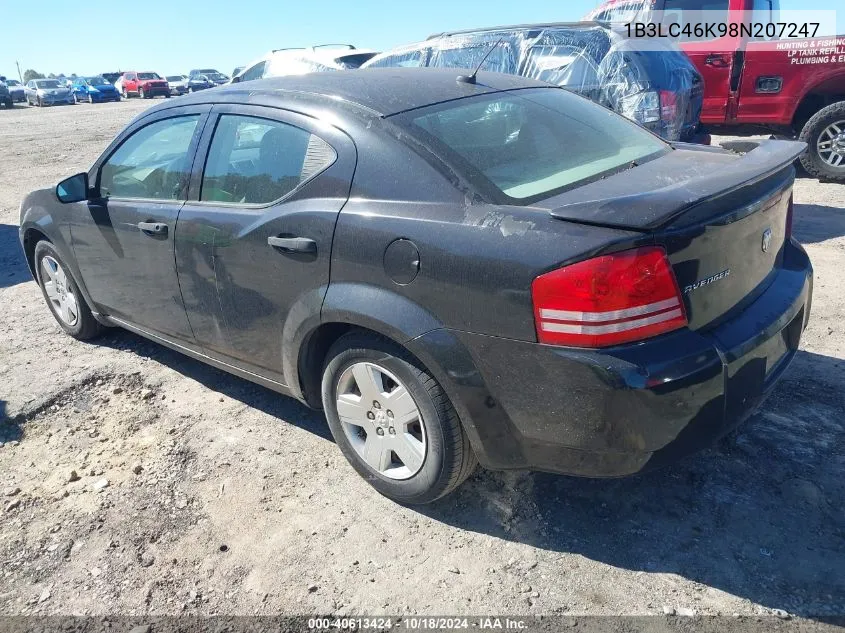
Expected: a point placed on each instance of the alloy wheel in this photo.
(831, 145)
(59, 293)
(381, 420)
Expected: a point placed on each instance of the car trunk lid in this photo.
(722, 218)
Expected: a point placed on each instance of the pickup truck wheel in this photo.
(392, 421)
(825, 136)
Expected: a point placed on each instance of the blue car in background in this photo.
(93, 90)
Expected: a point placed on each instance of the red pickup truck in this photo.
(793, 87)
(144, 84)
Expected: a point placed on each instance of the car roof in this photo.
(523, 27)
(380, 91)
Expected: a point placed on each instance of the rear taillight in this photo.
(608, 300)
(668, 105)
(789, 210)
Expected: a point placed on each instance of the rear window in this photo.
(526, 145)
(356, 60)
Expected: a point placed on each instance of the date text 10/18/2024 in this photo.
(420, 623)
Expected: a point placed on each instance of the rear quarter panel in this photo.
(476, 260)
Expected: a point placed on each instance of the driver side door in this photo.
(123, 235)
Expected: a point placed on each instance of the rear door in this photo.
(254, 241)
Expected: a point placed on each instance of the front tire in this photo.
(825, 137)
(125, 94)
(141, 94)
(392, 420)
(62, 294)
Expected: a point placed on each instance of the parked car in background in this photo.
(16, 89)
(110, 77)
(178, 84)
(298, 61)
(145, 85)
(658, 88)
(5, 95)
(94, 90)
(325, 248)
(214, 77)
(199, 82)
(41, 92)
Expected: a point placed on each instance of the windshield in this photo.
(525, 145)
(172, 78)
(13, 82)
(148, 76)
(96, 81)
(47, 83)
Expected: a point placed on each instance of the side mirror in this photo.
(236, 79)
(73, 189)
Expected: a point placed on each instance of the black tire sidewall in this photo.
(432, 479)
(811, 160)
(82, 324)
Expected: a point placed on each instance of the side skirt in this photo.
(201, 356)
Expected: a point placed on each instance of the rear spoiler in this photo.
(657, 192)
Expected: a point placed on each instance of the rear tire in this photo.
(56, 283)
(447, 458)
(826, 147)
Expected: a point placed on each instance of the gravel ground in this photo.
(138, 481)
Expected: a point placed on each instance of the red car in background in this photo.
(143, 84)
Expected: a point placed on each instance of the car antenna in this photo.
(470, 79)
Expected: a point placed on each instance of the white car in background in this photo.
(299, 61)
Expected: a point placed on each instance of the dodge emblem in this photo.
(767, 240)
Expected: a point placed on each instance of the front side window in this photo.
(526, 145)
(154, 163)
(259, 161)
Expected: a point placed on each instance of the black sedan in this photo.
(456, 270)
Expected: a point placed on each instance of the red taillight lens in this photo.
(608, 300)
(789, 210)
(668, 105)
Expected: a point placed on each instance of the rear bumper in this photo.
(622, 410)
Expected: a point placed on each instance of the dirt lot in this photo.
(138, 481)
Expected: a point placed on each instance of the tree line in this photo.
(31, 74)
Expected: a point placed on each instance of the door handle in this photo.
(716, 60)
(293, 244)
(154, 228)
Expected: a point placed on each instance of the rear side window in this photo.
(407, 59)
(256, 72)
(258, 161)
(499, 60)
(525, 145)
